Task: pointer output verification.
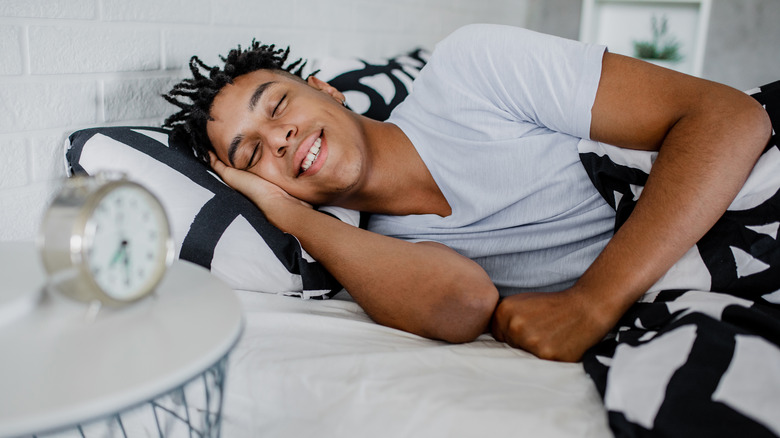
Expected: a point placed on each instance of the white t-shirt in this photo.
(496, 115)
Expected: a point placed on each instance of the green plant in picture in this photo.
(661, 46)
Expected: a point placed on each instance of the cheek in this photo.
(272, 174)
(268, 172)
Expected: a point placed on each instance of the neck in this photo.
(397, 180)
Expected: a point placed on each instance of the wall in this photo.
(71, 64)
(742, 43)
(556, 17)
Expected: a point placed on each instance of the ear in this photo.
(325, 87)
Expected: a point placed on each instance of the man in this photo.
(287, 144)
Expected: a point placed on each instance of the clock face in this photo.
(126, 243)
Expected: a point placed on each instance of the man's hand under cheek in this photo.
(264, 194)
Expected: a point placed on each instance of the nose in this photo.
(280, 139)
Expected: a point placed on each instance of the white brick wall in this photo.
(72, 64)
(76, 48)
(10, 47)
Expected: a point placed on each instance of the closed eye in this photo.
(251, 161)
(278, 105)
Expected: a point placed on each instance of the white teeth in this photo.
(312, 155)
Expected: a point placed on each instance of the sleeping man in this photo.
(489, 211)
(483, 217)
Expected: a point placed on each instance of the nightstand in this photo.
(153, 368)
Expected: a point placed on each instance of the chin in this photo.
(333, 188)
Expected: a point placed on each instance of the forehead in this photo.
(243, 86)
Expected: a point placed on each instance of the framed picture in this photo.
(671, 33)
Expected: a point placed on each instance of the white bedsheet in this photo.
(323, 368)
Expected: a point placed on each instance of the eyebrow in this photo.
(258, 94)
(252, 104)
(232, 148)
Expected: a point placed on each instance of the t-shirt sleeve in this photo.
(531, 77)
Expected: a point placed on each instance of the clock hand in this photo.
(126, 263)
(121, 251)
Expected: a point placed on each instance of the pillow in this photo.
(373, 88)
(213, 225)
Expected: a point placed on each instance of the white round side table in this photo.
(154, 368)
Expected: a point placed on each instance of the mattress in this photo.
(323, 368)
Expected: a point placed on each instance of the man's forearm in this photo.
(693, 181)
(424, 288)
(696, 176)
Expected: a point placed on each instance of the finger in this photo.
(496, 329)
(215, 163)
(231, 176)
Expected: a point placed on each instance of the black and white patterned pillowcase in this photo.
(373, 88)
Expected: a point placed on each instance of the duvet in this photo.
(699, 354)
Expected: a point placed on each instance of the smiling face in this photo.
(292, 133)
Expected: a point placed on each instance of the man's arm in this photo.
(709, 137)
(424, 288)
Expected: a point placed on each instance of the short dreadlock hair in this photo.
(194, 96)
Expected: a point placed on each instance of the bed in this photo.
(323, 368)
(310, 361)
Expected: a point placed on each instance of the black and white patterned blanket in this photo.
(699, 355)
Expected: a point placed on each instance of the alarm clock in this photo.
(105, 238)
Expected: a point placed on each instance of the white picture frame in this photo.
(620, 23)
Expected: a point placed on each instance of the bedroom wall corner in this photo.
(742, 45)
(71, 64)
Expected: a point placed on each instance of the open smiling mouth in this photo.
(314, 152)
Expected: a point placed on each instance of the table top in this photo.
(63, 365)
